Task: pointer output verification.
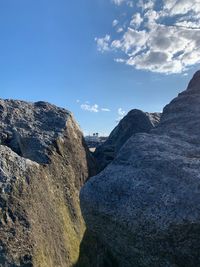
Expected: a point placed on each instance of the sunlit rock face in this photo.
(43, 164)
(145, 206)
(136, 121)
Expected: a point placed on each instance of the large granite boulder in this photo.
(145, 206)
(43, 164)
(136, 121)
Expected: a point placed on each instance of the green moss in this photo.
(71, 243)
(72, 234)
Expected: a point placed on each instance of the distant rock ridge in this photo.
(43, 163)
(136, 121)
(145, 205)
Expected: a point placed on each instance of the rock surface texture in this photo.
(43, 164)
(136, 121)
(145, 206)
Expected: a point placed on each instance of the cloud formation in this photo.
(161, 36)
(118, 2)
(115, 22)
(105, 109)
(93, 108)
(121, 113)
(103, 43)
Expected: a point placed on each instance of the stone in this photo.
(145, 206)
(136, 121)
(43, 164)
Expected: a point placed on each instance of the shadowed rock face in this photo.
(43, 164)
(145, 205)
(136, 121)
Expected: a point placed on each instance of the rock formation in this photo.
(43, 164)
(136, 121)
(145, 206)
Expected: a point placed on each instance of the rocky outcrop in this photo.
(43, 164)
(144, 206)
(136, 121)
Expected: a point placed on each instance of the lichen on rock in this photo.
(43, 164)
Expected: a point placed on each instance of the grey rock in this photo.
(31, 128)
(145, 206)
(136, 121)
(43, 163)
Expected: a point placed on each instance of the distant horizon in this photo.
(83, 56)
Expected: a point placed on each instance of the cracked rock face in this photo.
(145, 206)
(136, 121)
(43, 164)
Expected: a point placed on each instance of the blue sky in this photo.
(65, 52)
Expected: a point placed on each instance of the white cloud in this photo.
(161, 36)
(103, 43)
(177, 7)
(185, 74)
(132, 41)
(120, 29)
(144, 5)
(118, 2)
(136, 20)
(115, 22)
(105, 109)
(151, 16)
(116, 44)
(121, 112)
(91, 108)
(119, 60)
(130, 3)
